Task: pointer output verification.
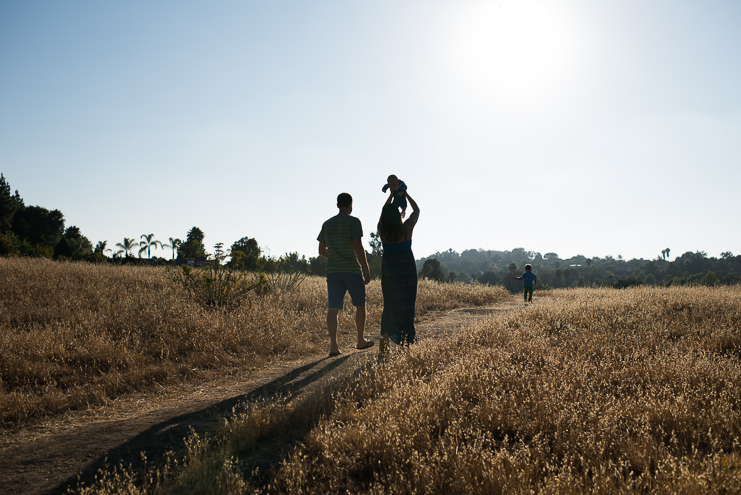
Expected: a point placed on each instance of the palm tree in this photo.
(667, 252)
(174, 244)
(127, 245)
(101, 247)
(147, 244)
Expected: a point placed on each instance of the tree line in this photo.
(500, 268)
(36, 231)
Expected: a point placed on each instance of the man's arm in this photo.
(360, 253)
(323, 251)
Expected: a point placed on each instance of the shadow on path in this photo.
(167, 435)
(39, 463)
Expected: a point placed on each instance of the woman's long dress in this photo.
(399, 286)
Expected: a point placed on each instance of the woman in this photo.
(398, 274)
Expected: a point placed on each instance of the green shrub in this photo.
(6, 246)
(282, 282)
(710, 279)
(215, 285)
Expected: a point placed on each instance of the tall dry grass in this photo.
(75, 334)
(588, 391)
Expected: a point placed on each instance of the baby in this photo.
(399, 188)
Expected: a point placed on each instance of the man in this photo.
(347, 269)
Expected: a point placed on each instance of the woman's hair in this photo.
(393, 229)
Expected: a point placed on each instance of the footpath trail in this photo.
(49, 457)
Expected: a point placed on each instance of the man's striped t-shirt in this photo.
(338, 234)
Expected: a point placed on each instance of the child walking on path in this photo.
(529, 280)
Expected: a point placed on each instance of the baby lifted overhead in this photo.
(399, 189)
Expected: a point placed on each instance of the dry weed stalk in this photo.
(216, 286)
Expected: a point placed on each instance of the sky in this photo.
(574, 127)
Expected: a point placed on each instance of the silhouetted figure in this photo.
(347, 270)
(529, 279)
(398, 274)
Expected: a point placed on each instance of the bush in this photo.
(432, 270)
(709, 279)
(283, 282)
(217, 286)
(6, 246)
(627, 282)
(488, 278)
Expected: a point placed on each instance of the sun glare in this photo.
(512, 50)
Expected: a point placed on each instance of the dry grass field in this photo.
(74, 335)
(586, 391)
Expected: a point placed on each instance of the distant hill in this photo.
(498, 267)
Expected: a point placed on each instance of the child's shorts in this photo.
(340, 282)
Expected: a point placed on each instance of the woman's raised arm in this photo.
(415, 208)
(412, 220)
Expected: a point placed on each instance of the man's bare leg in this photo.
(332, 325)
(360, 323)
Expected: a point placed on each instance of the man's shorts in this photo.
(340, 282)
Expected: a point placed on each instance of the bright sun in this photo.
(512, 50)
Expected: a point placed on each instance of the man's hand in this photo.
(360, 253)
(323, 251)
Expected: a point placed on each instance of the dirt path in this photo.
(48, 458)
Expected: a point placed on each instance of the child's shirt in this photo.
(399, 201)
(528, 278)
(402, 187)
